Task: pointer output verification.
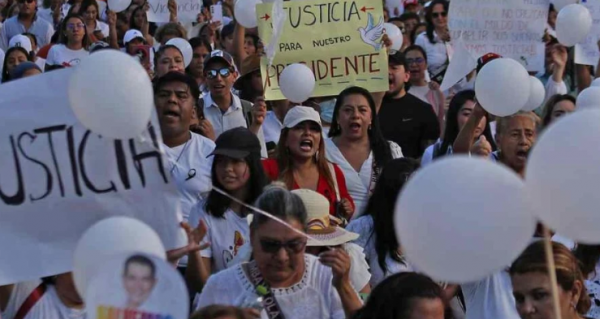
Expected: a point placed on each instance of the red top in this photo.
(323, 188)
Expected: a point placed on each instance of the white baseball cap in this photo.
(299, 114)
(22, 41)
(131, 35)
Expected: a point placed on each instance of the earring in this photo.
(369, 127)
(573, 304)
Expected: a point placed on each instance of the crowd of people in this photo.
(331, 168)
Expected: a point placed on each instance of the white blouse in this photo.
(358, 183)
(313, 297)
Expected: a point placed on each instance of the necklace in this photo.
(180, 154)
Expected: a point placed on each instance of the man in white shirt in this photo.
(26, 21)
(221, 108)
(175, 98)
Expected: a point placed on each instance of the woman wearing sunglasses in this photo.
(73, 44)
(168, 59)
(282, 278)
(237, 171)
(436, 39)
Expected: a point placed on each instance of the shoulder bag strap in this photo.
(335, 183)
(31, 300)
(269, 302)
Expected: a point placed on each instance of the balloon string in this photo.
(551, 270)
(142, 139)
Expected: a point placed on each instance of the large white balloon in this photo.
(394, 34)
(536, 95)
(503, 87)
(589, 98)
(461, 219)
(596, 82)
(297, 82)
(573, 24)
(111, 237)
(118, 5)
(245, 12)
(559, 4)
(185, 47)
(563, 176)
(111, 94)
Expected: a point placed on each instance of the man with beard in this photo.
(26, 21)
(404, 118)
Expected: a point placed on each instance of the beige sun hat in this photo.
(321, 225)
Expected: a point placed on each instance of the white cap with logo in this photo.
(299, 114)
(22, 41)
(132, 34)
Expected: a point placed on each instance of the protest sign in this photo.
(511, 28)
(57, 179)
(340, 41)
(187, 10)
(587, 53)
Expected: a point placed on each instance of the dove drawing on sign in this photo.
(371, 33)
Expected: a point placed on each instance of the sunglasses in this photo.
(73, 26)
(416, 61)
(26, 1)
(273, 246)
(224, 72)
(439, 14)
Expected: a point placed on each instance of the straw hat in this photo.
(321, 225)
(249, 65)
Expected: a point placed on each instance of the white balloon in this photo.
(477, 223)
(297, 82)
(111, 95)
(573, 24)
(596, 82)
(118, 5)
(589, 98)
(563, 176)
(185, 47)
(245, 12)
(559, 4)
(537, 94)
(108, 238)
(503, 87)
(394, 34)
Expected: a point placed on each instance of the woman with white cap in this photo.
(326, 235)
(301, 161)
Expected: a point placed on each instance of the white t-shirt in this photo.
(102, 27)
(226, 235)
(420, 92)
(272, 127)
(364, 227)
(359, 268)
(437, 53)
(190, 169)
(313, 297)
(358, 183)
(490, 298)
(59, 54)
(47, 307)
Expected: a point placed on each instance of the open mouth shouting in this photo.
(355, 127)
(306, 145)
(171, 114)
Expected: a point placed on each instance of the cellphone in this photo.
(142, 52)
(216, 12)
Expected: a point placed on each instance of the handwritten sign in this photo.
(511, 28)
(187, 10)
(587, 52)
(57, 179)
(339, 40)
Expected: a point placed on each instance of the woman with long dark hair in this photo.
(436, 39)
(73, 44)
(139, 21)
(376, 227)
(236, 170)
(13, 57)
(201, 49)
(356, 144)
(301, 161)
(461, 107)
(557, 106)
(97, 30)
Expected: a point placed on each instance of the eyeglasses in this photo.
(273, 246)
(224, 72)
(73, 26)
(439, 14)
(416, 61)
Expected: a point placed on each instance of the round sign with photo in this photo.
(137, 286)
